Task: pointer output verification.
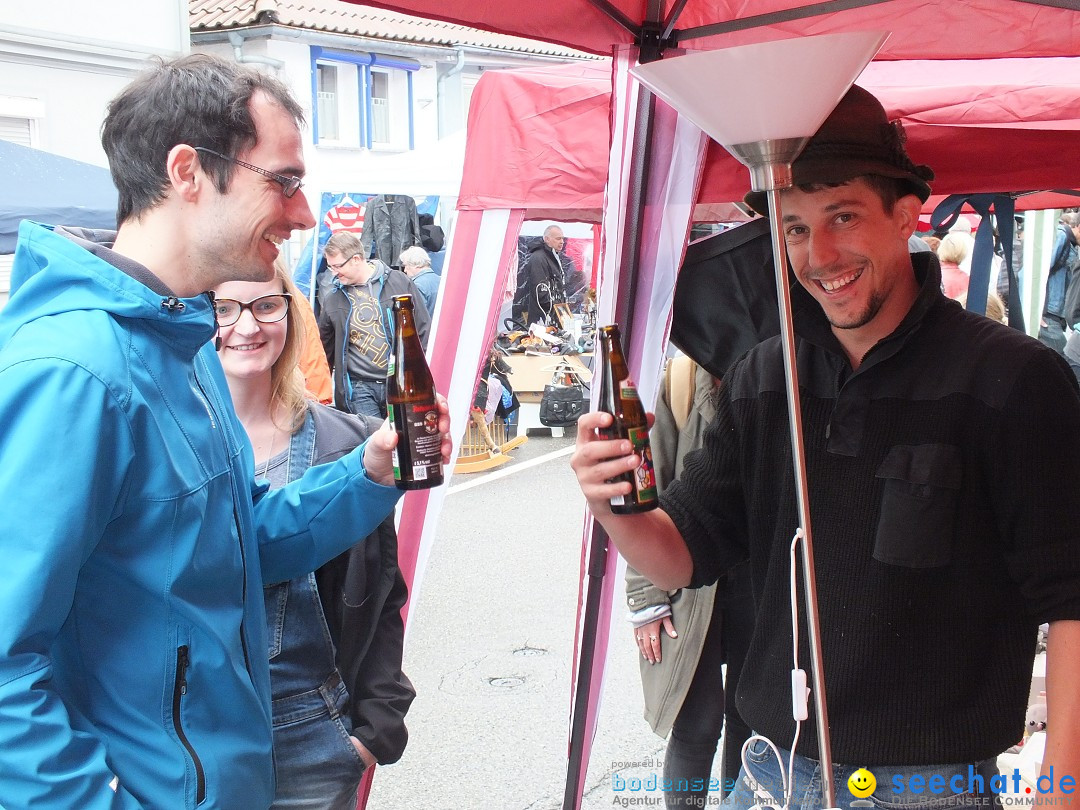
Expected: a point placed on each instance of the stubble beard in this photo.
(873, 307)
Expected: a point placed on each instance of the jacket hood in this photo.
(55, 271)
(535, 244)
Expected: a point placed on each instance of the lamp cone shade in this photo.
(768, 91)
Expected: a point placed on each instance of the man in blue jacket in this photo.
(133, 667)
(1064, 255)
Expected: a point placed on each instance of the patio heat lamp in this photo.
(763, 103)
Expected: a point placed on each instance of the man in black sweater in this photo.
(944, 529)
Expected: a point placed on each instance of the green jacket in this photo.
(665, 684)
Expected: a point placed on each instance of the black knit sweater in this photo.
(945, 520)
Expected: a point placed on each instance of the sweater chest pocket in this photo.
(918, 505)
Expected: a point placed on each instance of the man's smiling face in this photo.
(851, 255)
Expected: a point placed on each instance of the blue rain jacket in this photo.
(134, 544)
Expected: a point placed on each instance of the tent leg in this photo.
(576, 766)
(598, 549)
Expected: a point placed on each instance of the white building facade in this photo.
(62, 61)
(386, 95)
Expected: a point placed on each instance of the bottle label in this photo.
(419, 447)
(393, 453)
(645, 474)
(627, 389)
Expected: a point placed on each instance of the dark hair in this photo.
(888, 189)
(199, 100)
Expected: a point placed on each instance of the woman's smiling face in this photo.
(250, 348)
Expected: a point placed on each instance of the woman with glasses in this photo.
(339, 695)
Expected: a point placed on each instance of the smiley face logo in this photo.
(861, 783)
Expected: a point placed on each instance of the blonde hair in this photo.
(344, 244)
(995, 307)
(955, 247)
(287, 387)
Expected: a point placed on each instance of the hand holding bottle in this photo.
(379, 449)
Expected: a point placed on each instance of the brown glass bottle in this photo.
(411, 406)
(619, 397)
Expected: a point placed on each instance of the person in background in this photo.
(685, 638)
(544, 278)
(354, 323)
(1064, 255)
(417, 266)
(336, 635)
(954, 249)
(135, 539)
(936, 445)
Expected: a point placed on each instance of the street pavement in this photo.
(490, 653)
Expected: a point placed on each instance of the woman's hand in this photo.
(361, 749)
(648, 638)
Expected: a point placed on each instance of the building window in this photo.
(328, 100)
(6, 261)
(380, 108)
(390, 104)
(336, 97)
(362, 99)
(16, 130)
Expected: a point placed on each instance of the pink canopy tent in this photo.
(922, 29)
(537, 137)
(656, 166)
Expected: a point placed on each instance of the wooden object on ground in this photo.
(478, 454)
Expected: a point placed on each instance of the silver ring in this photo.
(652, 638)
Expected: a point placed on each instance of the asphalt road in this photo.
(490, 653)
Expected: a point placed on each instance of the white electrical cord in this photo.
(799, 699)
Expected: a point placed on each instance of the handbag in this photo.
(563, 400)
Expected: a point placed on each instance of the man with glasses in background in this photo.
(133, 667)
(355, 323)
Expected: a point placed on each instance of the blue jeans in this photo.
(807, 794)
(368, 397)
(316, 765)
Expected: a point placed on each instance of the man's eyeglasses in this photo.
(289, 185)
(264, 309)
(339, 265)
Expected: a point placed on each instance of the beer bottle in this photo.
(411, 405)
(619, 397)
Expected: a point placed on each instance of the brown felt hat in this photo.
(856, 139)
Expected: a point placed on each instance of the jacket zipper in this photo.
(236, 521)
(243, 591)
(179, 690)
(205, 400)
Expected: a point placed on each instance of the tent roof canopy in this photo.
(537, 136)
(49, 188)
(922, 29)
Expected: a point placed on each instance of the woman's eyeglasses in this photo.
(264, 309)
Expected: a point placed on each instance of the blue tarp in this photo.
(51, 189)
